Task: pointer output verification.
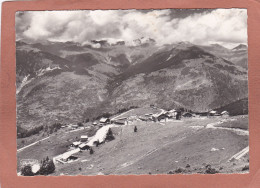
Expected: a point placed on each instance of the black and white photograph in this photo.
(132, 92)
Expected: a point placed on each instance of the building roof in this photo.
(119, 121)
(122, 118)
(187, 114)
(84, 136)
(163, 114)
(103, 120)
(83, 145)
(159, 114)
(76, 143)
(66, 155)
(224, 112)
(143, 118)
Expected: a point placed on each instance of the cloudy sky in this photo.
(227, 27)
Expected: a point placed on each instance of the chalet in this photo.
(187, 115)
(104, 120)
(84, 146)
(144, 118)
(71, 158)
(74, 157)
(84, 138)
(74, 126)
(119, 122)
(172, 113)
(76, 144)
(66, 156)
(162, 116)
(224, 113)
(212, 113)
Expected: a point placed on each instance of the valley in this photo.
(65, 90)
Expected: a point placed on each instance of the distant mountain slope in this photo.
(187, 77)
(67, 82)
(239, 107)
(237, 55)
(50, 87)
(63, 97)
(165, 59)
(240, 47)
(33, 62)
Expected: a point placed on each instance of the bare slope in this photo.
(159, 148)
(186, 76)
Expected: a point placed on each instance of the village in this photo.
(170, 126)
(127, 118)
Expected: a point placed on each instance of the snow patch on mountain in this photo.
(25, 81)
(40, 72)
(171, 56)
(108, 60)
(48, 69)
(128, 56)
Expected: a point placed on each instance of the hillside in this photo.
(68, 82)
(240, 47)
(186, 76)
(51, 88)
(237, 55)
(185, 146)
(239, 107)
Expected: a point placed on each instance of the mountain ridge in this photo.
(73, 84)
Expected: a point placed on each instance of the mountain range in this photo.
(69, 82)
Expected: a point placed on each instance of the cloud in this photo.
(199, 26)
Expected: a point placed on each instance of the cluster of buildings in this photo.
(162, 116)
(215, 113)
(75, 147)
(82, 143)
(155, 117)
(158, 117)
(85, 143)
